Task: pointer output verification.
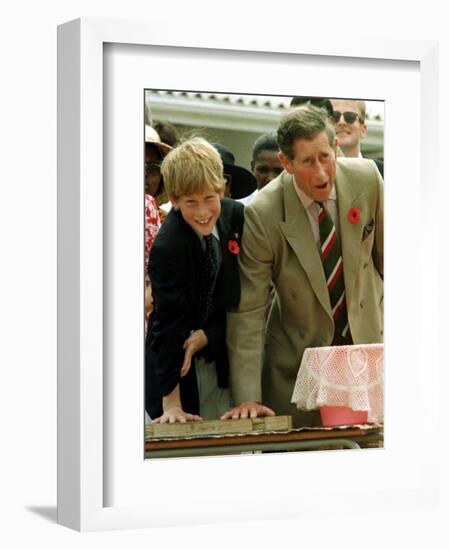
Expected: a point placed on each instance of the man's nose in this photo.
(320, 170)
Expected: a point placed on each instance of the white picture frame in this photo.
(86, 500)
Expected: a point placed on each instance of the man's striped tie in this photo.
(333, 269)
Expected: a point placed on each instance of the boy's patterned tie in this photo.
(333, 269)
(208, 272)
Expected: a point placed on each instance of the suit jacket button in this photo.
(361, 304)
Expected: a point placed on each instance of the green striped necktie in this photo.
(333, 269)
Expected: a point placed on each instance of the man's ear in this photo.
(222, 191)
(174, 202)
(363, 130)
(286, 164)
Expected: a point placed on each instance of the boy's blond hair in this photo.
(192, 166)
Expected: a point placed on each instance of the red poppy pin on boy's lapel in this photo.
(233, 247)
(354, 215)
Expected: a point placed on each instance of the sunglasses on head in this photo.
(349, 117)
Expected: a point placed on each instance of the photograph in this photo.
(222, 310)
(263, 300)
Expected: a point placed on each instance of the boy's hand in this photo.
(196, 341)
(175, 414)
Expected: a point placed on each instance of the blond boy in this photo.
(194, 275)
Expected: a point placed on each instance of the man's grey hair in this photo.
(304, 122)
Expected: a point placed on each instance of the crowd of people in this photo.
(245, 269)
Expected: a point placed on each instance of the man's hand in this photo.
(175, 414)
(249, 409)
(196, 341)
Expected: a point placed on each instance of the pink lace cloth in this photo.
(345, 376)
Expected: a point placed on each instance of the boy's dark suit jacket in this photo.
(175, 262)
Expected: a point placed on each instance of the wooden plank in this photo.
(207, 428)
(357, 434)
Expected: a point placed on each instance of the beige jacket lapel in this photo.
(350, 233)
(296, 229)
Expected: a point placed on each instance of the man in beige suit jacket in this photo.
(281, 247)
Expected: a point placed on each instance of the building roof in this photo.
(279, 104)
(241, 112)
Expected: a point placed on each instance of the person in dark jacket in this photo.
(194, 275)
